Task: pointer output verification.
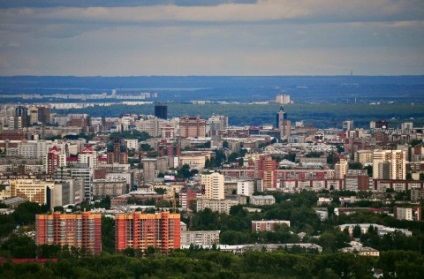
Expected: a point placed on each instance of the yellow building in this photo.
(33, 190)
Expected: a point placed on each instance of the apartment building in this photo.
(141, 231)
(74, 230)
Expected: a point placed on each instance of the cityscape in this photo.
(156, 180)
(211, 139)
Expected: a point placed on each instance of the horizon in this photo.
(223, 76)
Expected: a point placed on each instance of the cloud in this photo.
(300, 11)
(5, 4)
(180, 37)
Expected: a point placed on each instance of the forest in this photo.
(318, 115)
(400, 256)
(198, 263)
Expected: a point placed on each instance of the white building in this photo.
(199, 238)
(283, 99)
(88, 157)
(132, 143)
(245, 187)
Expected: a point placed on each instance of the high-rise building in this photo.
(214, 186)
(84, 174)
(22, 117)
(55, 158)
(192, 127)
(363, 156)
(266, 169)
(283, 99)
(117, 152)
(44, 115)
(217, 123)
(33, 115)
(141, 231)
(283, 125)
(161, 111)
(341, 168)
(348, 125)
(389, 164)
(149, 169)
(74, 230)
(88, 156)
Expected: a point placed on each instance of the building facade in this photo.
(389, 164)
(192, 127)
(268, 225)
(214, 186)
(74, 230)
(199, 238)
(117, 152)
(32, 190)
(141, 231)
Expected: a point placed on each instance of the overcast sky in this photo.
(211, 37)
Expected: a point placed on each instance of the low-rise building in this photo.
(412, 213)
(262, 200)
(199, 238)
(220, 206)
(268, 225)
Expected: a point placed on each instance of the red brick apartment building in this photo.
(82, 230)
(140, 231)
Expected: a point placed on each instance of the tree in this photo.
(356, 233)
(314, 154)
(25, 213)
(108, 234)
(355, 166)
(184, 172)
(20, 246)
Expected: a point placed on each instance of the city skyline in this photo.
(213, 37)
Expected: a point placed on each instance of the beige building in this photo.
(220, 206)
(192, 127)
(112, 188)
(389, 164)
(341, 168)
(194, 161)
(363, 156)
(214, 186)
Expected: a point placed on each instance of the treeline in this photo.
(319, 115)
(236, 227)
(23, 216)
(195, 263)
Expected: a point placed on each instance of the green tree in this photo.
(20, 246)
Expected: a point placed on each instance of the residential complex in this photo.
(74, 230)
(141, 231)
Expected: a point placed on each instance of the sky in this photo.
(211, 37)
